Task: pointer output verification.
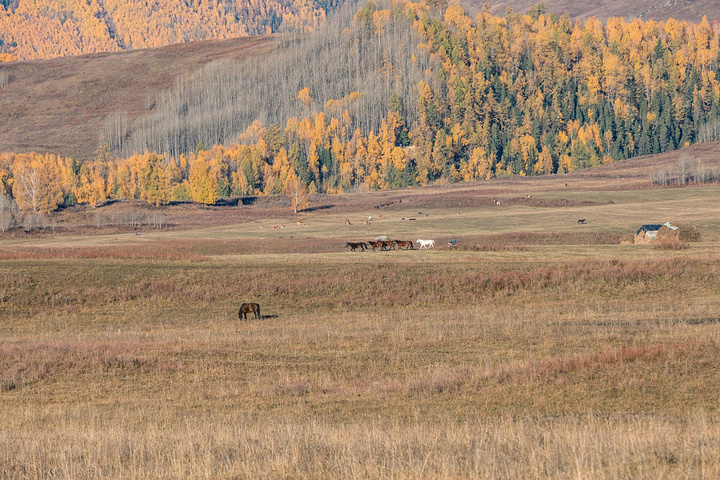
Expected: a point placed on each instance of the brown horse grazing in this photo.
(246, 308)
(407, 244)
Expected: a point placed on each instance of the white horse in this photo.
(426, 243)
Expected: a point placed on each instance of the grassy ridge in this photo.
(52, 286)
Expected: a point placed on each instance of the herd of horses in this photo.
(386, 245)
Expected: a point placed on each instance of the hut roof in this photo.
(648, 228)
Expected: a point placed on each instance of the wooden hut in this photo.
(646, 234)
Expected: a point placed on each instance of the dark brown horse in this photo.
(246, 308)
(355, 245)
(406, 244)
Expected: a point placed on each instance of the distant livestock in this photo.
(383, 245)
(246, 308)
(356, 245)
(427, 244)
(404, 244)
(375, 245)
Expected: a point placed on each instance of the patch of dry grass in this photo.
(139, 368)
(536, 350)
(616, 446)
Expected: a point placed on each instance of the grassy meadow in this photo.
(538, 348)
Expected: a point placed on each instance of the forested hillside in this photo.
(492, 96)
(692, 10)
(34, 29)
(406, 94)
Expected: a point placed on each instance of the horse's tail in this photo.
(258, 311)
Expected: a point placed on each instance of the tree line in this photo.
(473, 98)
(393, 95)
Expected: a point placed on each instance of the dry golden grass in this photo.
(545, 349)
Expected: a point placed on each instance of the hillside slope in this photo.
(60, 105)
(691, 10)
(405, 97)
(36, 29)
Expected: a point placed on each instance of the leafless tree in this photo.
(29, 184)
(684, 165)
(8, 213)
(225, 97)
(710, 131)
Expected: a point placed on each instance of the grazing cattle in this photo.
(374, 245)
(246, 308)
(581, 221)
(355, 245)
(426, 243)
(347, 220)
(300, 224)
(406, 244)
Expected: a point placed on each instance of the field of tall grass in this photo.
(528, 353)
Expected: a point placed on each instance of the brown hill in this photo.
(692, 10)
(60, 105)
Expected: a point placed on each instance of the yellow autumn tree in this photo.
(297, 191)
(203, 183)
(155, 181)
